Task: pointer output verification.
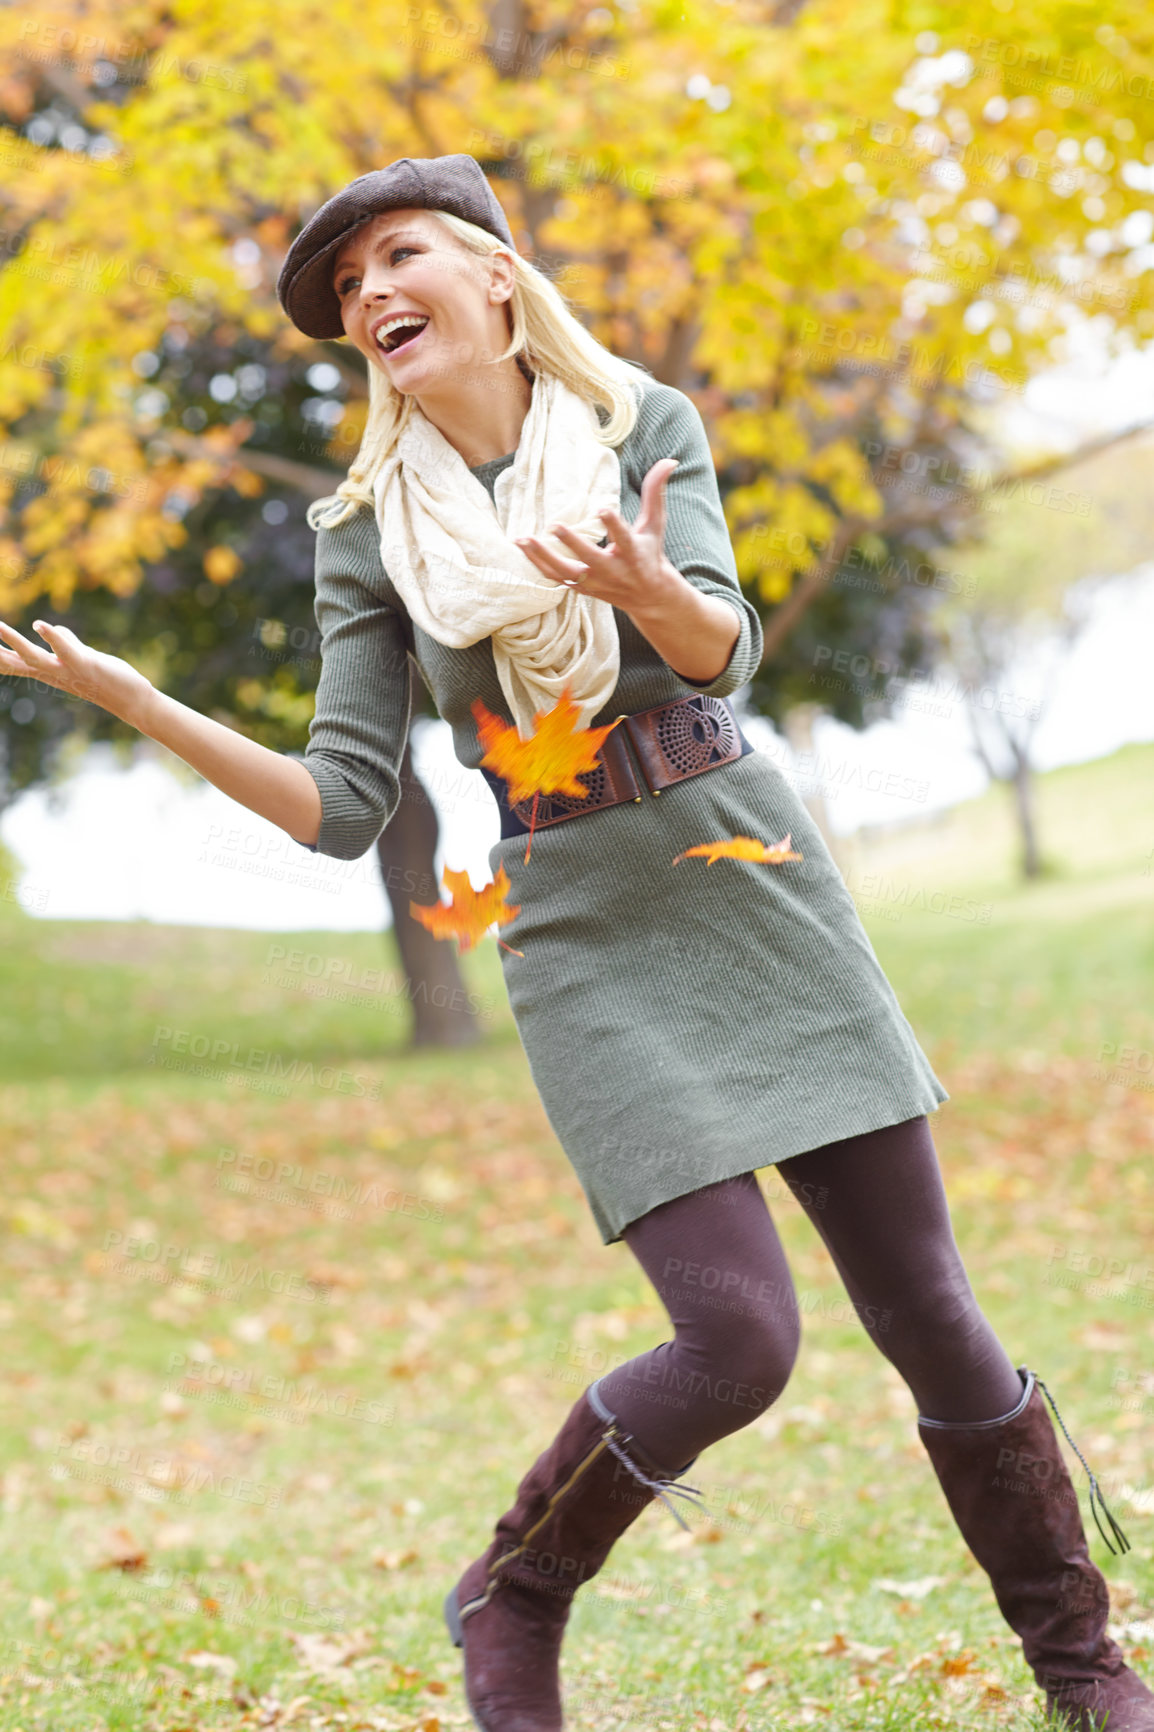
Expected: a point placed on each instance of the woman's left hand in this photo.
(632, 572)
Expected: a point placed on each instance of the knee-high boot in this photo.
(509, 1609)
(1012, 1498)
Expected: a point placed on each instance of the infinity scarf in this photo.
(449, 550)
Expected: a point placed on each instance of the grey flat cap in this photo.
(453, 183)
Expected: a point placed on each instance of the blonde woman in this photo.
(529, 514)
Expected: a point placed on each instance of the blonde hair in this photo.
(545, 333)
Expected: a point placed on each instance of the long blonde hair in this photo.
(545, 333)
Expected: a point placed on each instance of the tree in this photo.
(849, 255)
(244, 652)
(1031, 580)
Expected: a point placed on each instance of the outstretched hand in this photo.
(632, 572)
(71, 666)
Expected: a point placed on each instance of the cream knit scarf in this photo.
(449, 550)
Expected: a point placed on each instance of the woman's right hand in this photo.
(71, 666)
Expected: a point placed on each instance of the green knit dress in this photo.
(683, 1024)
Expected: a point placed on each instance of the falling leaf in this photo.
(743, 848)
(469, 913)
(549, 761)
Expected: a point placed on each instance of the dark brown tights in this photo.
(717, 1263)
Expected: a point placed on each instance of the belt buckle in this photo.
(683, 738)
(612, 780)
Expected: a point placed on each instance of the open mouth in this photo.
(400, 333)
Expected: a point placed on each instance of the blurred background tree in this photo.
(851, 262)
(1033, 578)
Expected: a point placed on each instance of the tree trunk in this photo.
(797, 726)
(406, 851)
(1022, 781)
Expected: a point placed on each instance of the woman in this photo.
(529, 515)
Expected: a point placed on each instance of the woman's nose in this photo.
(374, 286)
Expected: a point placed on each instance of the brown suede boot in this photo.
(1010, 1494)
(509, 1609)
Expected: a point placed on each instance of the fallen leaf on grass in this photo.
(844, 1646)
(209, 1662)
(742, 848)
(323, 1654)
(122, 1552)
(915, 1590)
(393, 1560)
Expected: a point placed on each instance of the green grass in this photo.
(394, 1316)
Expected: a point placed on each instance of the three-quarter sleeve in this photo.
(697, 540)
(358, 734)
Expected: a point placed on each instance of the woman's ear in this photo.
(501, 276)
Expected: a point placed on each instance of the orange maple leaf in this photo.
(469, 913)
(549, 761)
(743, 848)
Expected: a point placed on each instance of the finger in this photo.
(653, 496)
(29, 653)
(587, 551)
(619, 530)
(560, 570)
(60, 638)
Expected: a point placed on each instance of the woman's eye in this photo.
(345, 282)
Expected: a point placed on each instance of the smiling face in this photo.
(417, 303)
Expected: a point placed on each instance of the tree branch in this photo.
(811, 584)
(313, 482)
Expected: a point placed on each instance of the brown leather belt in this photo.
(673, 741)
